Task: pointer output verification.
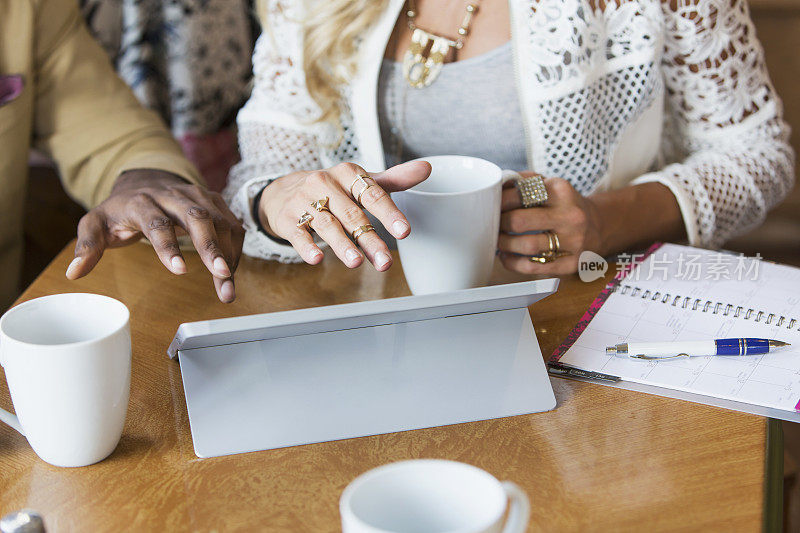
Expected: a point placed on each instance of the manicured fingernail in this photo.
(399, 228)
(221, 267)
(227, 291)
(315, 254)
(351, 255)
(382, 259)
(178, 266)
(73, 265)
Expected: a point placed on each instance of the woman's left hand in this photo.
(568, 214)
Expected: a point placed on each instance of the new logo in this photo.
(591, 266)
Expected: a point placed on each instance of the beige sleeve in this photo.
(87, 118)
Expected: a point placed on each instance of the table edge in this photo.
(773, 476)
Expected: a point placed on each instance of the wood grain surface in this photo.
(605, 459)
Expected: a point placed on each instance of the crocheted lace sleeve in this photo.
(254, 172)
(276, 134)
(725, 137)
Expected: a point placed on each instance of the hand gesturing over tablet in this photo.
(155, 204)
(291, 207)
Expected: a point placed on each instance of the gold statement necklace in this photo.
(424, 58)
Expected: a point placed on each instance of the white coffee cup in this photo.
(455, 220)
(432, 496)
(67, 360)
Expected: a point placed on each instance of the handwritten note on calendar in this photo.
(683, 293)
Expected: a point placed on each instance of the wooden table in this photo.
(604, 459)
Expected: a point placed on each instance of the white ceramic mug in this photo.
(432, 496)
(455, 220)
(67, 360)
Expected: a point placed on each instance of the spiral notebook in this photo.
(677, 292)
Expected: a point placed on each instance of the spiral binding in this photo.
(706, 306)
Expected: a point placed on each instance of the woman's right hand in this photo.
(287, 198)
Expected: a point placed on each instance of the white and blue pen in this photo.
(668, 350)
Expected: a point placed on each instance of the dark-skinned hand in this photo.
(158, 205)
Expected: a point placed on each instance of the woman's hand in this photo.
(288, 197)
(632, 217)
(572, 217)
(154, 204)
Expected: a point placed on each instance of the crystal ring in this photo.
(532, 191)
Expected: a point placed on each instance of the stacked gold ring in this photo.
(552, 238)
(553, 251)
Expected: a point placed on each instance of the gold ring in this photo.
(321, 205)
(361, 230)
(305, 218)
(553, 252)
(548, 256)
(552, 238)
(361, 179)
(542, 258)
(358, 200)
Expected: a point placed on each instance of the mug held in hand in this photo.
(455, 222)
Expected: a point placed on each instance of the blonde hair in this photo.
(331, 31)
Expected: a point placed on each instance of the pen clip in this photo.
(655, 358)
(561, 369)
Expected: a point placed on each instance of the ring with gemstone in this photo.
(361, 230)
(304, 220)
(321, 205)
(532, 191)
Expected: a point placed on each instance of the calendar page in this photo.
(682, 293)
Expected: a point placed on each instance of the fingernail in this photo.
(178, 266)
(73, 265)
(351, 255)
(382, 259)
(399, 228)
(221, 267)
(227, 291)
(315, 253)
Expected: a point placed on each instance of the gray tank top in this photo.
(472, 108)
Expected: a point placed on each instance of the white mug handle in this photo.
(11, 420)
(519, 509)
(5, 416)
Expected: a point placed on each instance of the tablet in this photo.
(311, 375)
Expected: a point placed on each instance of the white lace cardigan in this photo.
(608, 95)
